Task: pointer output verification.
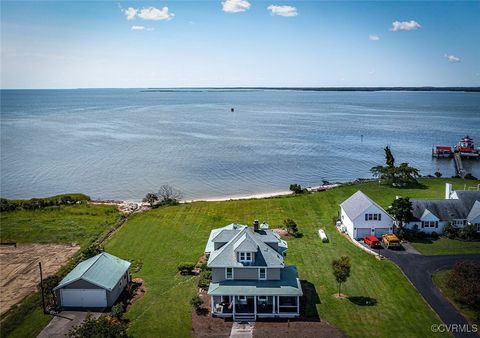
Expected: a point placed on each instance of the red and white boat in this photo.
(466, 147)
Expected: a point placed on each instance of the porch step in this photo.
(244, 317)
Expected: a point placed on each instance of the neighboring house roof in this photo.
(443, 209)
(225, 236)
(264, 254)
(475, 212)
(103, 270)
(288, 285)
(356, 205)
(468, 197)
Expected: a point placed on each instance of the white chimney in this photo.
(448, 190)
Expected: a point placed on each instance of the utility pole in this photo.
(41, 288)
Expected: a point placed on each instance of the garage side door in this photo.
(363, 232)
(381, 231)
(88, 298)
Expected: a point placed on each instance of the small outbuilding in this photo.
(94, 283)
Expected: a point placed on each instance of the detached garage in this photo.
(94, 283)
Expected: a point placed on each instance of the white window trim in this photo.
(262, 298)
(250, 254)
(260, 274)
(226, 274)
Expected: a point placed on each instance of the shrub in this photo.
(204, 279)
(92, 250)
(464, 281)
(196, 302)
(186, 268)
(469, 176)
(438, 174)
(297, 189)
(434, 235)
(450, 231)
(291, 226)
(102, 327)
(117, 310)
(467, 232)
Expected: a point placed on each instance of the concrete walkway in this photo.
(240, 330)
(419, 270)
(63, 322)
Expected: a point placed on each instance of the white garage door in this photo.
(88, 298)
(381, 231)
(363, 232)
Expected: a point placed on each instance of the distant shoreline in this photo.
(315, 89)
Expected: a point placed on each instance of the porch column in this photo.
(233, 306)
(274, 304)
(212, 305)
(298, 305)
(255, 306)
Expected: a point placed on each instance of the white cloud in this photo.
(405, 25)
(138, 28)
(373, 37)
(235, 6)
(283, 10)
(149, 13)
(130, 13)
(155, 14)
(452, 58)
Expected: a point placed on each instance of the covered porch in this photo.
(257, 306)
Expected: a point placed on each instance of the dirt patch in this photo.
(204, 325)
(19, 267)
(298, 329)
(340, 296)
(283, 233)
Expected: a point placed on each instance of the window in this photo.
(429, 224)
(245, 257)
(478, 227)
(229, 273)
(373, 217)
(262, 273)
(458, 222)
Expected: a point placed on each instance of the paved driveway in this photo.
(419, 270)
(63, 322)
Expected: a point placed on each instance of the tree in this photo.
(185, 268)
(104, 327)
(402, 175)
(291, 226)
(464, 281)
(168, 194)
(92, 250)
(467, 232)
(401, 210)
(389, 159)
(49, 284)
(150, 198)
(341, 270)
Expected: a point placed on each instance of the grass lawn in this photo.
(59, 224)
(81, 223)
(440, 279)
(165, 237)
(446, 246)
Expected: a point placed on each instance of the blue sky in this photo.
(66, 44)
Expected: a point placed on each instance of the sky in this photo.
(131, 44)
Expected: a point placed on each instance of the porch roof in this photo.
(288, 285)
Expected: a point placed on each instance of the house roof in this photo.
(475, 212)
(225, 236)
(103, 270)
(288, 285)
(264, 254)
(356, 204)
(468, 197)
(443, 209)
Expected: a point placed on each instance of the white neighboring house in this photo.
(362, 217)
(459, 208)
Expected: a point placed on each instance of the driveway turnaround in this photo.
(419, 270)
(63, 322)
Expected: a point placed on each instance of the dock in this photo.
(459, 165)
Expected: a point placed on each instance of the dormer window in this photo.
(245, 256)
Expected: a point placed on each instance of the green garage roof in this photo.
(288, 285)
(103, 270)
